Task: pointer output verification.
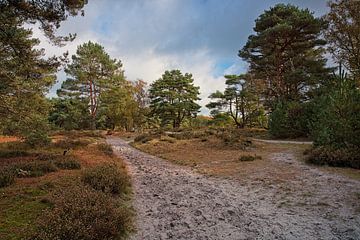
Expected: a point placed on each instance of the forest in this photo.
(62, 158)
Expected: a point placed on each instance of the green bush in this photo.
(105, 148)
(341, 157)
(7, 177)
(67, 162)
(338, 118)
(291, 120)
(249, 158)
(34, 169)
(37, 138)
(108, 178)
(83, 213)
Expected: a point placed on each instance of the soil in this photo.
(175, 202)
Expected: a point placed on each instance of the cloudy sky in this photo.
(150, 36)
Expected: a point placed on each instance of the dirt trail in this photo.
(173, 202)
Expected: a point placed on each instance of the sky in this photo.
(201, 37)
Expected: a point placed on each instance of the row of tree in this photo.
(287, 88)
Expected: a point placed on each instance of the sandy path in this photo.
(173, 202)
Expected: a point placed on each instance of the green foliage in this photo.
(343, 34)
(285, 53)
(70, 114)
(173, 98)
(335, 157)
(7, 177)
(24, 72)
(239, 101)
(338, 115)
(108, 178)
(91, 72)
(80, 212)
(291, 120)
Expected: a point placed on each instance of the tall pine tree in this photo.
(91, 72)
(285, 53)
(173, 98)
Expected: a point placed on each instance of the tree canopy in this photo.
(285, 53)
(173, 98)
(91, 72)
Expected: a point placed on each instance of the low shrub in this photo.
(249, 158)
(342, 157)
(108, 178)
(167, 139)
(67, 162)
(233, 138)
(105, 148)
(13, 153)
(34, 169)
(71, 143)
(47, 156)
(144, 138)
(83, 213)
(7, 177)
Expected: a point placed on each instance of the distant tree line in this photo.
(288, 88)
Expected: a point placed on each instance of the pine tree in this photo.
(91, 72)
(239, 100)
(285, 54)
(172, 98)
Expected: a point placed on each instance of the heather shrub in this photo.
(6, 153)
(71, 143)
(144, 138)
(83, 213)
(336, 157)
(105, 148)
(34, 168)
(67, 162)
(249, 158)
(108, 178)
(7, 177)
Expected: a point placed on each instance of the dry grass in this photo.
(212, 157)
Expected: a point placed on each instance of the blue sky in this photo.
(202, 37)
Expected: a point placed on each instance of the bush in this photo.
(34, 169)
(71, 143)
(105, 148)
(342, 157)
(83, 213)
(67, 162)
(248, 158)
(107, 178)
(37, 138)
(7, 177)
(144, 138)
(234, 138)
(13, 153)
(338, 118)
(291, 120)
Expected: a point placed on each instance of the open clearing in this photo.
(277, 197)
